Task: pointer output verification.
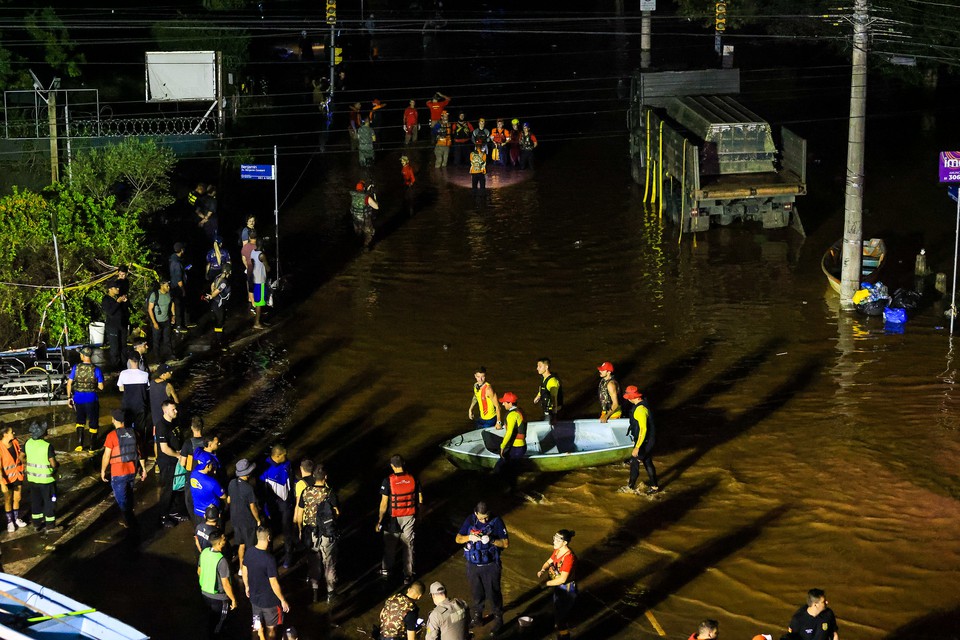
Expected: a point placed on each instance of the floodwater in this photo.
(798, 447)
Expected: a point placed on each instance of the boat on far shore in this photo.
(568, 444)
(874, 255)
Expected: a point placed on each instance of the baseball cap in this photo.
(177, 246)
(437, 588)
(162, 369)
(633, 393)
(509, 396)
(117, 414)
(606, 366)
(212, 512)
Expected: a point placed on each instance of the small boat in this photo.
(29, 611)
(569, 444)
(874, 254)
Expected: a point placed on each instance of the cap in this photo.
(606, 366)
(526, 125)
(509, 396)
(437, 588)
(37, 429)
(360, 186)
(117, 414)
(162, 368)
(632, 393)
(211, 513)
(244, 467)
(178, 246)
(86, 351)
(515, 122)
(113, 284)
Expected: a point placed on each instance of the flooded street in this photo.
(798, 447)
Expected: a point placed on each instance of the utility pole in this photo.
(646, 7)
(52, 117)
(853, 194)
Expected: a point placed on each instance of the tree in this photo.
(136, 171)
(59, 49)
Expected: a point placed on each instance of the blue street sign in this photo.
(952, 192)
(257, 172)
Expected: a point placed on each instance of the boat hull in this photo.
(569, 445)
(874, 255)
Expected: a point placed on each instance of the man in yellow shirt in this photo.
(513, 447)
(485, 399)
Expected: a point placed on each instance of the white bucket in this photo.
(96, 332)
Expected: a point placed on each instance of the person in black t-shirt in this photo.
(206, 529)
(168, 455)
(263, 588)
(814, 621)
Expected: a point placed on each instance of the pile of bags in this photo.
(874, 300)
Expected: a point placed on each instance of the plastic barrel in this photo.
(96, 332)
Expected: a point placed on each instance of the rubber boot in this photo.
(93, 438)
(80, 429)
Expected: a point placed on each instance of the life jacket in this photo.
(85, 379)
(498, 135)
(358, 204)
(606, 400)
(444, 134)
(12, 464)
(633, 430)
(209, 582)
(127, 449)
(461, 131)
(487, 408)
(479, 135)
(38, 467)
(477, 552)
(403, 495)
(546, 398)
(391, 616)
(519, 439)
(478, 162)
(526, 141)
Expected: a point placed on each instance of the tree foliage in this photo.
(60, 52)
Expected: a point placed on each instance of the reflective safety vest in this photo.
(38, 467)
(392, 615)
(403, 495)
(499, 136)
(487, 409)
(192, 197)
(461, 131)
(85, 379)
(209, 582)
(12, 464)
(546, 397)
(127, 449)
(444, 136)
(478, 162)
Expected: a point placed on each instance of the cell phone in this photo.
(419, 623)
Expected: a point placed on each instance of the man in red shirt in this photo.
(411, 122)
(121, 453)
(436, 106)
(406, 172)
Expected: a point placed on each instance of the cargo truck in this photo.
(706, 159)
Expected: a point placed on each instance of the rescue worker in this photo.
(550, 394)
(436, 105)
(528, 142)
(443, 138)
(317, 513)
(83, 388)
(560, 567)
(480, 136)
(513, 447)
(11, 477)
(409, 179)
(278, 497)
(366, 136)
(363, 202)
(400, 500)
(218, 296)
(643, 434)
(411, 123)
(484, 537)
(448, 620)
(195, 196)
(609, 392)
(461, 139)
(499, 137)
(40, 464)
(213, 572)
(398, 618)
(121, 455)
(486, 399)
(354, 121)
(513, 142)
(478, 168)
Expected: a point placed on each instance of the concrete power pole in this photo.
(54, 153)
(645, 27)
(853, 195)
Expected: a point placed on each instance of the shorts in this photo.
(244, 535)
(11, 486)
(267, 617)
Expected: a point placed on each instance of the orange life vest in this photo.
(403, 495)
(12, 466)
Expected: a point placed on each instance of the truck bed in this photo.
(745, 185)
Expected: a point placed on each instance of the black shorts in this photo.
(268, 617)
(246, 536)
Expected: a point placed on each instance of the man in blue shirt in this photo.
(205, 490)
(484, 536)
(83, 392)
(280, 498)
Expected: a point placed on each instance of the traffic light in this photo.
(721, 16)
(331, 11)
(337, 56)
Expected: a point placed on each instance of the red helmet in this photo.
(360, 186)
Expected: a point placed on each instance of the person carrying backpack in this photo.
(317, 513)
(162, 313)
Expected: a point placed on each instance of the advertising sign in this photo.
(950, 166)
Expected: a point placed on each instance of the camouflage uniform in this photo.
(392, 615)
(321, 534)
